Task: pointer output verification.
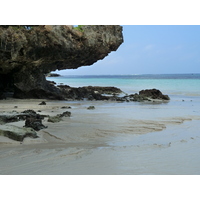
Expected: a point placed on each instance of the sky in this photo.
(150, 49)
(158, 39)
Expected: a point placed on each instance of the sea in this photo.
(174, 85)
(171, 144)
(183, 90)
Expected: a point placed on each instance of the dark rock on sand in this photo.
(29, 112)
(65, 114)
(8, 118)
(34, 120)
(42, 103)
(91, 108)
(54, 119)
(65, 107)
(58, 117)
(17, 133)
(25, 115)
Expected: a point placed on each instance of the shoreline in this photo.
(111, 132)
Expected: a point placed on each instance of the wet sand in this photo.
(114, 138)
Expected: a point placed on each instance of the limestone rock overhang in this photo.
(27, 53)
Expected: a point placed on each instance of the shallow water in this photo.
(114, 138)
(174, 84)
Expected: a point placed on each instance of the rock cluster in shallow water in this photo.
(110, 93)
(89, 93)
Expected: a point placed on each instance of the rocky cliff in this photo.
(27, 53)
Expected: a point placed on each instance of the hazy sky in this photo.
(150, 49)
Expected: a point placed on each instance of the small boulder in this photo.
(8, 118)
(91, 108)
(65, 107)
(42, 103)
(65, 114)
(54, 119)
(17, 133)
(154, 94)
(29, 112)
(59, 117)
(34, 122)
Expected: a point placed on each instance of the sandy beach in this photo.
(113, 138)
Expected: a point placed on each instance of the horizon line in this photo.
(127, 74)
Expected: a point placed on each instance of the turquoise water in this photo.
(174, 84)
(172, 150)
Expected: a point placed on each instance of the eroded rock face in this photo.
(27, 55)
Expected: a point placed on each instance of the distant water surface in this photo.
(171, 84)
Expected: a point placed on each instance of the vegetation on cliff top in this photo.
(79, 28)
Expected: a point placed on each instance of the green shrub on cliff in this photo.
(79, 28)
